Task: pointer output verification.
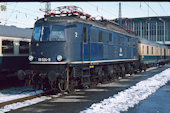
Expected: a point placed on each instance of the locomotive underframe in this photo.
(64, 77)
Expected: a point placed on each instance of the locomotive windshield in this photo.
(57, 33)
(43, 33)
(37, 33)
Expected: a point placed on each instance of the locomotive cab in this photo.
(55, 43)
(49, 43)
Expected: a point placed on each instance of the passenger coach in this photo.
(14, 49)
(152, 53)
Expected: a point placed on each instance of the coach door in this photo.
(86, 45)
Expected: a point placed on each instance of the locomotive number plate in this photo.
(44, 59)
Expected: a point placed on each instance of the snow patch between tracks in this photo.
(131, 96)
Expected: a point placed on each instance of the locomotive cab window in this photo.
(45, 33)
(41, 33)
(23, 47)
(7, 47)
(37, 33)
(57, 33)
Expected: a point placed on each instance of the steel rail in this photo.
(21, 99)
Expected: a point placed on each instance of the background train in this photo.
(14, 50)
(68, 51)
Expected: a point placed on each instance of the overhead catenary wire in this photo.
(16, 11)
(26, 9)
(10, 14)
(151, 8)
(109, 12)
(16, 16)
(31, 13)
(163, 9)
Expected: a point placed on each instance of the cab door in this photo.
(85, 44)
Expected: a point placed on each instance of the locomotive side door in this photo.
(85, 44)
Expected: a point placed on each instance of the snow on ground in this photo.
(23, 104)
(19, 92)
(15, 93)
(131, 96)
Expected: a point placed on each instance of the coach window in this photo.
(84, 34)
(143, 49)
(100, 36)
(23, 47)
(7, 47)
(157, 50)
(152, 51)
(147, 50)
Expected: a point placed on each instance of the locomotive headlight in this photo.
(30, 58)
(59, 57)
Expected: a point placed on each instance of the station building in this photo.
(151, 28)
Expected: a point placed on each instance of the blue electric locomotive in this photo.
(68, 51)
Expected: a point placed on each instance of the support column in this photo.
(156, 31)
(141, 29)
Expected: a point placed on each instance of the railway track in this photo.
(10, 96)
(21, 99)
(25, 98)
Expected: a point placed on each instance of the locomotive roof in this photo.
(98, 23)
(12, 31)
